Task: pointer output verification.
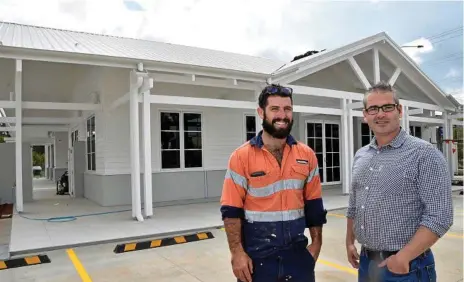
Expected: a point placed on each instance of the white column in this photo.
(19, 136)
(405, 119)
(134, 145)
(345, 148)
(447, 147)
(46, 161)
(376, 65)
(148, 201)
(351, 141)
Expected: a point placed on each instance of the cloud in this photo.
(274, 28)
(452, 73)
(416, 53)
(133, 5)
(457, 93)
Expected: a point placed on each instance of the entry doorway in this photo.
(324, 138)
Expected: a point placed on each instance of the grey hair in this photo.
(381, 87)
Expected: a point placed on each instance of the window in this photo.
(250, 126)
(181, 140)
(366, 134)
(91, 143)
(415, 131)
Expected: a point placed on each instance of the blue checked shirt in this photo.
(396, 189)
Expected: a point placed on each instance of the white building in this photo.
(141, 122)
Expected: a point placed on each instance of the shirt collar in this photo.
(395, 143)
(258, 140)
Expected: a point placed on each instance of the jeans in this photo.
(422, 269)
(296, 265)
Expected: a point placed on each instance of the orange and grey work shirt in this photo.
(276, 202)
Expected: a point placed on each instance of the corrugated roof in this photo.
(51, 39)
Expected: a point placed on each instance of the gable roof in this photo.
(330, 57)
(58, 40)
(66, 42)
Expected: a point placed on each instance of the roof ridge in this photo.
(139, 39)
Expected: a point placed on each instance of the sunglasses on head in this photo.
(273, 89)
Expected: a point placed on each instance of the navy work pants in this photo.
(421, 268)
(295, 265)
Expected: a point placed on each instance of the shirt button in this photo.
(367, 188)
(362, 226)
(378, 152)
(370, 168)
(362, 207)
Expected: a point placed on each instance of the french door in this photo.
(324, 138)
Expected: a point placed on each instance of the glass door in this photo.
(314, 139)
(332, 152)
(324, 139)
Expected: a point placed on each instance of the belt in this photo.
(382, 255)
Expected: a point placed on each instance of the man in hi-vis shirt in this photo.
(271, 194)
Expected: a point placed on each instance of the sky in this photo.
(278, 29)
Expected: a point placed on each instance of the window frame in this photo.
(182, 140)
(92, 149)
(371, 134)
(414, 128)
(244, 131)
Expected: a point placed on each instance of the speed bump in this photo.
(137, 246)
(26, 261)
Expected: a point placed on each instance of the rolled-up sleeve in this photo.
(434, 184)
(315, 213)
(234, 189)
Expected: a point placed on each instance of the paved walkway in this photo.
(209, 260)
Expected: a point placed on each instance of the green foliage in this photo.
(2, 139)
(38, 159)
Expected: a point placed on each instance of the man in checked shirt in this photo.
(400, 199)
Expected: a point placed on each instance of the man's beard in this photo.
(280, 133)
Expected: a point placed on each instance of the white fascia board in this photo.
(53, 128)
(205, 102)
(204, 71)
(8, 129)
(357, 114)
(203, 81)
(356, 105)
(328, 59)
(128, 63)
(420, 105)
(317, 110)
(426, 120)
(322, 92)
(40, 120)
(61, 106)
(65, 57)
(415, 112)
(359, 73)
(7, 119)
(7, 104)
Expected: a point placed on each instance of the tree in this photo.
(38, 159)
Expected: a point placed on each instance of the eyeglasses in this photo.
(385, 108)
(273, 89)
